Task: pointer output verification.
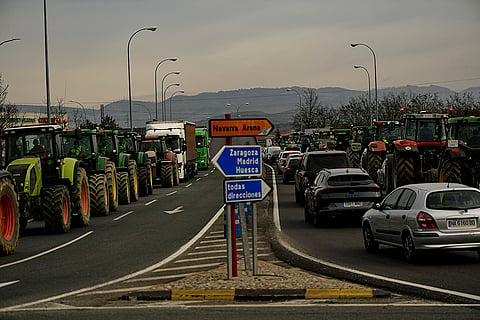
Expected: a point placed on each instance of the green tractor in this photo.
(51, 187)
(460, 159)
(340, 139)
(82, 144)
(360, 137)
(131, 143)
(9, 214)
(126, 166)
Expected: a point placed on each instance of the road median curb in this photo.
(255, 294)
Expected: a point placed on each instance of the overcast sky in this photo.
(231, 44)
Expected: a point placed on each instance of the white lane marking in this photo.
(4, 284)
(198, 179)
(276, 219)
(174, 211)
(276, 214)
(123, 216)
(289, 304)
(149, 203)
(205, 175)
(168, 259)
(172, 276)
(206, 265)
(46, 252)
(188, 185)
(171, 193)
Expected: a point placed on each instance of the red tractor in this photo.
(416, 155)
(374, 154)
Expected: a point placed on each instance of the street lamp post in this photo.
(128, 62)
(9, 40)
(299, 95)
(156, 99)
(47, 76)
(81, 105)
(374, 69)
(237, 108)
(369, 98)
(164, 111)
(171, 97)
(164, 94)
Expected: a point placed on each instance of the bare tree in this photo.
(8, 112)
(309, 114)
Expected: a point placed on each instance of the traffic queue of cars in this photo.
(414, 217)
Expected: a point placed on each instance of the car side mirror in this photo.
(377, 206)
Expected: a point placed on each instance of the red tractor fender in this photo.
(377, 146)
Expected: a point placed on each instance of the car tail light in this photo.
(324, 191)
(375, 189)
(425, 220)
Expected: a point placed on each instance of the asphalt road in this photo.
(132, 238)
(341, 243)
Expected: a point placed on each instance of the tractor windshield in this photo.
(77, 148)
(469, 133)
(21, 145)
(423, 130)
(387, 133)
(173, 143)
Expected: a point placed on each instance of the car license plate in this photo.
(461, 223)
(352, 204)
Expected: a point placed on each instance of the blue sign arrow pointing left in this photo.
(238, 161)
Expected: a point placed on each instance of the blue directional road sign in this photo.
(239, 161)
(250, 190)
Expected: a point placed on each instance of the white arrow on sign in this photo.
(174, 211)
(249, 190)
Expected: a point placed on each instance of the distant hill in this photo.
(276, 104)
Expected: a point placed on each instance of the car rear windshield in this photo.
(294, 162)
(349, 179)
(454, 200)
(327, 161)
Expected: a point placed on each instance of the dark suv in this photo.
(312, 163)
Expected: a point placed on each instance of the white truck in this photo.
(180, 138)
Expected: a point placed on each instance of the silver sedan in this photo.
(428, 216)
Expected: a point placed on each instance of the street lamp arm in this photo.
(156, 88)
(164, 111)
(128, 63)
(353, 45)
(171, 97)
(9, 40)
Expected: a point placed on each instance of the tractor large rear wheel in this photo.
(354, 157)
(143, 181)
(449, 171)
(133, 180)
(99, 195)
(9, 217)
(374, 162)
(403, 170)
(81, 200)
(123, 187)
(56, 209)
(112, 183)
(166, 175)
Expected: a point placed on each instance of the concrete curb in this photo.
(256, 294)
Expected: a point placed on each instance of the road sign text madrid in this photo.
(237, 161)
